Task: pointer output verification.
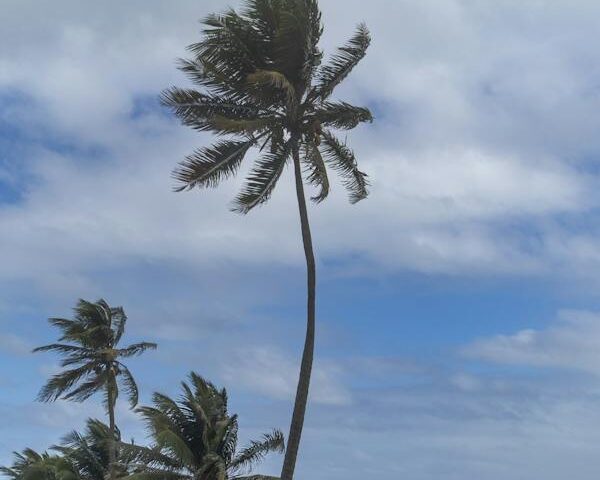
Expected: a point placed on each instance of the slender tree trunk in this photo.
(293, 440)
(112, 445)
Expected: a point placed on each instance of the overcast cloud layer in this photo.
(483, 162)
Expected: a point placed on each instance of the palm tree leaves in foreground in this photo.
(31, 465)
(259, 83)
(92, 359)
(196, 438)
(78, 457)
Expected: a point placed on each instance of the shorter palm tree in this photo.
(31, 465)
(195, 438)
(78, 457)
(93, 358)
(88, 452)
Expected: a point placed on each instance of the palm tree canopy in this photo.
(91, 355)
(80, 456)
(88, 452)
(261, 83)
(31, 465)
(196, 438)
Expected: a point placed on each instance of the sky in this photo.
(458, 307)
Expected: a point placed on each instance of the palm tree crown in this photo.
(92, 355)
(88, 452)
(78, 457)
(31, 465)
(196, 438)
(261, 84)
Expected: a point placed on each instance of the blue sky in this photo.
(459, 319)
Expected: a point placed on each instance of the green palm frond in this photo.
(340, 66)
(62, 382)
(262, 179)
(208, 166)
(342, 115)
(192, 106)
(136, 349)
(141, 457)
(256, 451)
(341, 158)
(129, 384)
(315, 170)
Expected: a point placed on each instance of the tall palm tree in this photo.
(94, 361)
(261, 84)
(195, 438)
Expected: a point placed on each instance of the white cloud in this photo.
(14, 344)
(571, 343)
(268, 371)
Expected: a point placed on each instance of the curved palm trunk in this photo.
(293, 441)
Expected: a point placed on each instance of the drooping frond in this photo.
(271, 442)
(316, 172)
(91, 385)
(342, 63)
(206, 167)
(341, 158)
(62, 382)
(148, 457)
(136, 349)
(342, 115)
(119, 320)
(129, 384)
(262, 179)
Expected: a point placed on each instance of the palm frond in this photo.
(192, 106)
(145, 456)
(316, 171)
(62, 382)
(262, 179)
(119, 320)
(341, 158)
(131, 388)
(342, 63)
(342, 115)
(63, 348)
(208, 166)
(136, 349)
(271, 442)
(88, 388)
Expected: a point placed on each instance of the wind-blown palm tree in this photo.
(88, 452)
(31, 465)
(261, 84)
(195, 438)
(94, 361)
(78, 457)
